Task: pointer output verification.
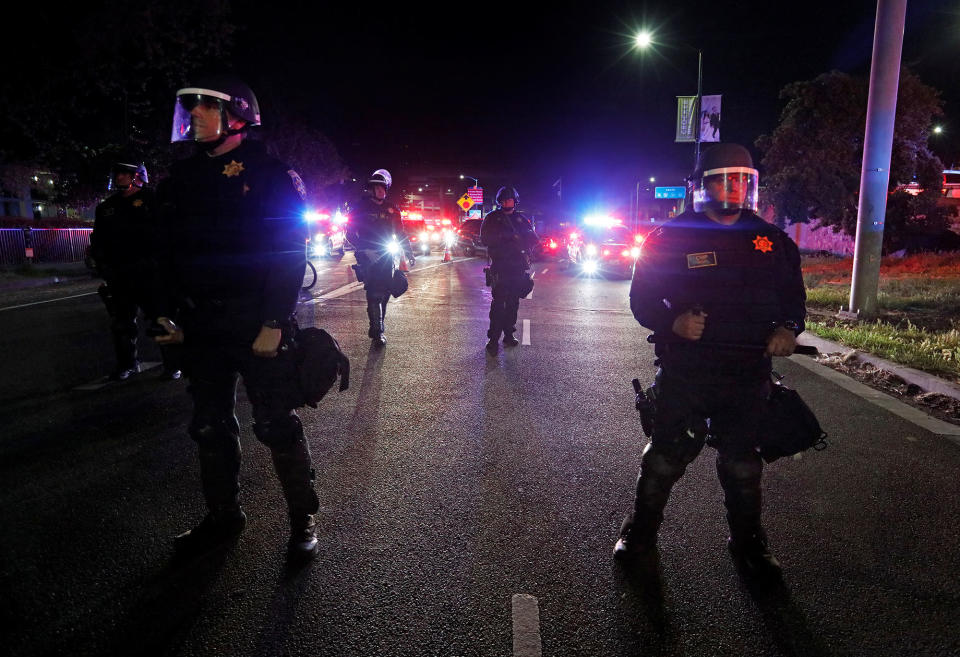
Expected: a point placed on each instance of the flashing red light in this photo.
(445, 222)
(553, 244)
(625, 253)
(638, 239)
(606, 252)
(431, 227)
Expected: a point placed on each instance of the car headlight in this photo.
(320, 249)
(635, 252)
(590, 267)
(393, 248)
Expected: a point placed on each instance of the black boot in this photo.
(375, 317)
(638, 537)
(510, 341)
(217, 528)
(303, 537)
(753, 556)
(294, 470)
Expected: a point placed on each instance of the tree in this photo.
(105, 83)
(308, 151)
(813, 157)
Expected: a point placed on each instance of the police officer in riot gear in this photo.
(122, 246)
(722, 291)
(236, 259)
(509, 237)
(376, 232)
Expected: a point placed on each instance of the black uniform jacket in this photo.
(746, 277)
(235, 231)
(125, 233)
(371, 226)
(507, 238)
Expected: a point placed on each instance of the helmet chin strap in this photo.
(225, 132)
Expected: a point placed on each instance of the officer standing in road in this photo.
(236, 261)
(715, 277)
(509, 238)
(376, 232)
(123, 248)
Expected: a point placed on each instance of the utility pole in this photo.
(877, 145)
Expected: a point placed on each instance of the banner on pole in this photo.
(710, 118)
(685, 122)
(708, 123)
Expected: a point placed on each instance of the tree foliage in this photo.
(813, 158)
(105, 83)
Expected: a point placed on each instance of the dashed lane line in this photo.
(526, 332)
(526, 626)
(357, 285)
(36, 303)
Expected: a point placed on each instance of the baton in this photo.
(802, 349)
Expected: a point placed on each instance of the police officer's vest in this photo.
(735, 273)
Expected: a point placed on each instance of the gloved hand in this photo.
(174, 333)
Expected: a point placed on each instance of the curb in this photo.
(928, 382)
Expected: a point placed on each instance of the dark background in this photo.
(526, 93)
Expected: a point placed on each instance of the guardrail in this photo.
(48, 244)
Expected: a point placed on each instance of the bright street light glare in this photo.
(938, 129)
(644, 39)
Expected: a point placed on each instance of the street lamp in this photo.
(937, 129)
(652, 179)
(643, 41)
(476, 183)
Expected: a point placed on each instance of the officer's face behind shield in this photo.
(727, 190)
(197, 117)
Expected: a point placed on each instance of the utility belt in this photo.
(787, 426)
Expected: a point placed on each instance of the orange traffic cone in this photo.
(403, 263)
(446, 254)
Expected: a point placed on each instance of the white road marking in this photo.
(908, 413)
(101, 383)
(526, 332)
(545, 270)
(526, 626)
(35, 303)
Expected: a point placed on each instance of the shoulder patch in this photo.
(298, 184)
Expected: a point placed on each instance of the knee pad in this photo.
(740, 467)
(279, 432)
(662, 463)
(215, 432)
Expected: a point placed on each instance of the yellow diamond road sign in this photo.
(465, 202)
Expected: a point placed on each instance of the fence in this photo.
(49, 244)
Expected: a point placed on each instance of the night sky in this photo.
(533, 94)
(529, 92)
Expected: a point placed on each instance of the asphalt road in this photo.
(469, 503)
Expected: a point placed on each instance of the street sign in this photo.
(476, 194)
(669, 192)
(465, 202)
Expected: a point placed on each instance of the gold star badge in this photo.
(233, 169)
(138, 203)
(762, 244)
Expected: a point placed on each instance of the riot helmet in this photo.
(507, 192)
(381, 177)
(138, 174)
(725, 180)
(223, 93)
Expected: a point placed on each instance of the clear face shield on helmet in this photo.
(727, 188)
(198, 115)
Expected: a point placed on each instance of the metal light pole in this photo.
(696, 153)
(877, 145)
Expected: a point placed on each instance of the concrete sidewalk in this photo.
(926, 381)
